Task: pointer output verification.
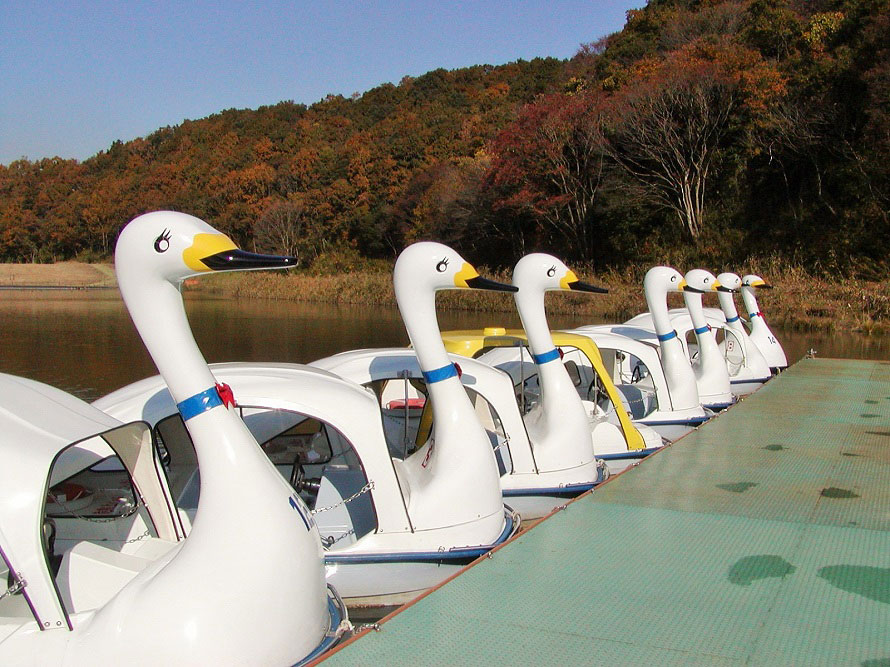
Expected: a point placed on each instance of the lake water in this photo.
(85, 343)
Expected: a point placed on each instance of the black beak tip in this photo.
(241, 260)
(484, 283)
(587, 287)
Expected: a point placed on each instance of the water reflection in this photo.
(85, 343)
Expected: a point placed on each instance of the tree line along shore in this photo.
(718, 133)
(799, 301)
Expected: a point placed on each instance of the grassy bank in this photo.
(62, 274)
(800, 301)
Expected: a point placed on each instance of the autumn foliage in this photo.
(706, 131)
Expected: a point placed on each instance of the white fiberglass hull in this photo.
(385, 579)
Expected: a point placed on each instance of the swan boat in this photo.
(90, 580)
(745, 364)
(760, 334)
(652, 370)
(748, 369)
(536, 475)
(710, 368)
(391, 527)
(561, 426)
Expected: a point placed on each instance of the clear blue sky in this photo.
(76, 76)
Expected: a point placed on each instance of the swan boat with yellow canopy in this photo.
(617, 439)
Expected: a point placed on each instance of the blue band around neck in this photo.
(552, 355)
(751, 316)
(199, 403)
(667, 336)
(702, 330)
(732, 319)
(440, 374)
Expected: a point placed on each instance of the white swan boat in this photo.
(651, 368)
(748, 369)
(711, 372)
(562, 428)
(745, 364)
(391, 527)
(760, 334)
(130, 583)
(535, 476)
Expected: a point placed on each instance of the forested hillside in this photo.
(704, 131)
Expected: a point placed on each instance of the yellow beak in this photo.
(568, 278)
(467, 272)
(203, 246)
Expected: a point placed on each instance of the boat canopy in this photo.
(311, 392)
(472, 343)
(46, 436)
(494, 385)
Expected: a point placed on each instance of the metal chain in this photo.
(95, 519)
(367, 487)
(140, 537)
(330, 540)
(501, 445)
(17, 587)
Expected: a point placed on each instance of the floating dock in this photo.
(763, 538)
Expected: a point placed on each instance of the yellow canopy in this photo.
(469, 343)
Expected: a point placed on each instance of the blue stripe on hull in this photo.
(567, 491)
(456, 556)
(629, 454)
(750, 380)
(691, 421)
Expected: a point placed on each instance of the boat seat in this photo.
(90, 575)
(574, 372)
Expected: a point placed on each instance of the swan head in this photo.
(755, 282)
(729, 282)
(542, 272)
(173, 246)
(433, 266)
(663, 279)
(701, 281)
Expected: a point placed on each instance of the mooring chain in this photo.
(95, 519)
(367, 487)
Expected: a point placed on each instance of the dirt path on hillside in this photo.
(63, 274)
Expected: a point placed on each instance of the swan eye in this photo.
(162, 243)
(551, 272)
(707, 280)
(673, 279)
(441, 266)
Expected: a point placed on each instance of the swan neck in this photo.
(727, 305)
(750, 300)
(158, 312)
(694, 306)
(657, 303)
(530, 305)
(418, 310)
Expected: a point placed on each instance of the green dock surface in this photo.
(763, 538)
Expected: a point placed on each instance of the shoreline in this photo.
(799, 301)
